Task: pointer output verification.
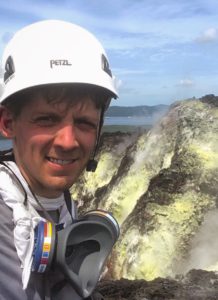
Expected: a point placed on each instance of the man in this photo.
(57, 86)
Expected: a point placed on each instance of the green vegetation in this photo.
(133, 111)
(124, 128)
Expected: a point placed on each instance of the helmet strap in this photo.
(92, 163)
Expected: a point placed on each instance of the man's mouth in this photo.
(61, 161)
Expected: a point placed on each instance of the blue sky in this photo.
(159, 50)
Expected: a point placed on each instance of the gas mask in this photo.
(79, 251)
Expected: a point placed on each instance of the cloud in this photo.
(1, 79)
(134, 72)
(186, 82)
(209, 35)
(118, 84)
(150, 44)
(1, 71)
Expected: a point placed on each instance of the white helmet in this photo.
(51, 52)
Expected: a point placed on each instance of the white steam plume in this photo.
(204, 246)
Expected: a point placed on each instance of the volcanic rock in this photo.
(162, 187)
(196, 285)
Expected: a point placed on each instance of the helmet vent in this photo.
(9, 68)
(105, 65)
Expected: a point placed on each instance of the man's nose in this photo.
(66, 137)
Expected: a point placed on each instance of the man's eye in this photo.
(46, 120)
(86, 125)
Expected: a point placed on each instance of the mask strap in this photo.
(68, 201)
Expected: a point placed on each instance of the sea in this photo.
(130, 121)
(5, 144)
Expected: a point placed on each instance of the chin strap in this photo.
(92, 163)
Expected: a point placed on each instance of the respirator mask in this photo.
(79, 251)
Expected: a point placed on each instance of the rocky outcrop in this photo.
(196, 285)
(162, 186)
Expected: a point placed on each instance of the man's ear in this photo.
(6, 122)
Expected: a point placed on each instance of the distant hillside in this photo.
(135, 111)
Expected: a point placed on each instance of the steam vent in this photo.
(162, 187)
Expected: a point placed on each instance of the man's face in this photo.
(53, 142)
